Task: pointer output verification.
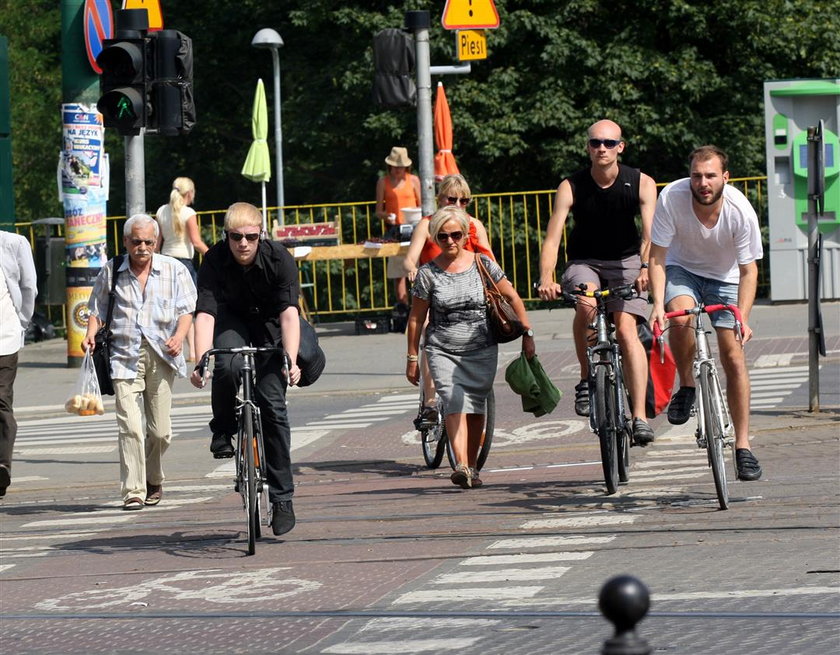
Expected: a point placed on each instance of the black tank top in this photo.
(604, 224)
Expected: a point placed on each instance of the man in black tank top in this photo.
(605, 249)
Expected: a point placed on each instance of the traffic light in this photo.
(172, 109)
(124, 84)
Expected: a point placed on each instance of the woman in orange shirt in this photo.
(395, 190)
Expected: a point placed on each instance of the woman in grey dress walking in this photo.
(461, 352)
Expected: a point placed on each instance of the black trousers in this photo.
(270, 393)
(8, 425)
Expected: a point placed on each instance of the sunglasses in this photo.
(238, 236)
(609, 144)
(142, 242)
(458, 201)
(443, 237)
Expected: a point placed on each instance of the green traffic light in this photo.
(125, 109)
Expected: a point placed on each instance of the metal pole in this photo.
(278, 136)
(419, 22)
(135, 175)
(814, 142)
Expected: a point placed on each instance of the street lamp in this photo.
(269, 38)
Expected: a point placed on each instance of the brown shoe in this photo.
(133, 504)
(476, 481)
(461, 476)
(154, 492)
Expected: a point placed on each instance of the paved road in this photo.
(389, 557)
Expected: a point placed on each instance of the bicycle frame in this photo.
(607, 406)
(714, 422)
(249, 464)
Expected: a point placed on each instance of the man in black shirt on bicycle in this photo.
(605, 250)
(248, 295)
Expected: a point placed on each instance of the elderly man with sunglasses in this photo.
(248, 295)
(154, 298)
(605, 249)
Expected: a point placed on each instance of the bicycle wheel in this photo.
(263, 504)
(623, 429)
(433, 441)
(713, 421)
(604, 397)
(250, 482)
(489, 426)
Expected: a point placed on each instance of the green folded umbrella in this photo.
(257, 167)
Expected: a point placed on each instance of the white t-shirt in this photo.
(11, 333)
(713, 253)
(174, 246)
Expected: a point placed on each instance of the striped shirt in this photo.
(457, 306)
(151, 315)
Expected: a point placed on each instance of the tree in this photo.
(674, 74)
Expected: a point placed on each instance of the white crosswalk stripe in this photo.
(773, 382)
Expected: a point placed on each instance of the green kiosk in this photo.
(790, 108)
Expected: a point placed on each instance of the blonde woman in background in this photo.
(179, 236)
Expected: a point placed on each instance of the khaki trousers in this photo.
(149, 397)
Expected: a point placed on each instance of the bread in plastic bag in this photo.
(86, 399)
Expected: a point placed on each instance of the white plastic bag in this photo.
(86, 399)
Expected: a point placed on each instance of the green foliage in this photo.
(673, 73)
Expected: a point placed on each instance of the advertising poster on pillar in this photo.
(82, 178)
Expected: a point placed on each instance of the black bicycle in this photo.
(250, 470)
(607, 393)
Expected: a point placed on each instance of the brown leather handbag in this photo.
(502, 320)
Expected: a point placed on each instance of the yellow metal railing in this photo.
(515, 222)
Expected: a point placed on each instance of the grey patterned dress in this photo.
(462, 355)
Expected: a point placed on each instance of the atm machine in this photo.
(790, 108)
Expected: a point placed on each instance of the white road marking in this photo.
(107, 516)
(502, 575)
(549, 542)
(524, 558)
(466, 593)
(403, 646)
(578, 521)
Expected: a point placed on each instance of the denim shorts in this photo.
(680, 282)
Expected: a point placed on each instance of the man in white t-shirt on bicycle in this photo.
(705, 243)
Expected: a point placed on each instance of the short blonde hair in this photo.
(453, 185)
(446, 214)
(240, 214)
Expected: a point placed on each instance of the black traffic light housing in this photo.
(124, 84)
(146, 79)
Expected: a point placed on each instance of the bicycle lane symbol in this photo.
(520, 435)
(211, 585)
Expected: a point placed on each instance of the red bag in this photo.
(661, 374)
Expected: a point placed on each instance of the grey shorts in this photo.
(605, 274)
(680, 282)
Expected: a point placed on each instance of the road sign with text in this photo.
(470, 45)
(470, 15)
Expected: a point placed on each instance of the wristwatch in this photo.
(528, 333)
(644, 265)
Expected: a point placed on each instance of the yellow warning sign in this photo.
(470, 45)
(470, 15)
(152, 7)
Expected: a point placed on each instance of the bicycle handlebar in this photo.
(624, 291)
(240, 350)
(694, 311)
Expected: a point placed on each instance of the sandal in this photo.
(133, 504)
(462, 476)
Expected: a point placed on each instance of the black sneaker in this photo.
(582, 398)
(5, 479)
(679, 410)
(221, 446)
(642, 433)
(747, 465)
(282, 517)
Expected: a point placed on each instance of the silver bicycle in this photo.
(714, 422)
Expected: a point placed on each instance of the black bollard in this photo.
(624, 601)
